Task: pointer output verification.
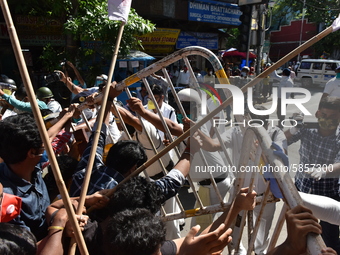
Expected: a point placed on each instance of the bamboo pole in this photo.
(41, 126)
(99, 121)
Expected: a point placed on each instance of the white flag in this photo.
(336, 24)
(119, 9)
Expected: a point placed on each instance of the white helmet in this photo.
(189, 95)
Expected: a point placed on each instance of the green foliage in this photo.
(93, 25)
(233, 41)
(320, 12)
(85, 20)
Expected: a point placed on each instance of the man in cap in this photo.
(45, 94)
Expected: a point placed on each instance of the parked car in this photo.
(316, 72)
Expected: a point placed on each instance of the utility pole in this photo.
(301, 28)
(260, 36)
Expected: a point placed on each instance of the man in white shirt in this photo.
(285, 81)
(332, 87)
(166, 110)
(183, 78)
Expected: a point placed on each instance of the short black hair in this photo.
(18, 134)
(132, 232)
(330, 103)
(16, 240)
(137, 193)
(125, 154)
(157, 90)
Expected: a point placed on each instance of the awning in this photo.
(236, 53)
(136, 55)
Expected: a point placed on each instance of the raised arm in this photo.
(79, 78)
(136, 105)
(128, 118)
(69, 84)
(20, 105)
(64, 117)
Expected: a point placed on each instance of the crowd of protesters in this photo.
(35, 221)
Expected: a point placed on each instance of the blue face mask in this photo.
(338, 75)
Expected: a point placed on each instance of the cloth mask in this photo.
(328, 124)
(7, 91)
(10, 207)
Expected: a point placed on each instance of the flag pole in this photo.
(41, 126)
(99, 121)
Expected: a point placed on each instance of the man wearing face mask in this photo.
(20, 101)
(319, 167)
(210, 77)
(332, 87)
(167, 110)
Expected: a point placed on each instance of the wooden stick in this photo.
(99, 121)
(41, 126)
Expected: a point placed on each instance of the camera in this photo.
(63, 62)
(54, 77)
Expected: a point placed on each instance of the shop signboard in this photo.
(206, 40)
(162, 40)
(214, 12)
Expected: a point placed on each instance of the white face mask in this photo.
(243, 74)
(210, 72)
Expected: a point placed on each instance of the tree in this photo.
(85, 20)
(320, 12)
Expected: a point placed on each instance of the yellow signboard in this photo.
(161, 36)
(159, 49)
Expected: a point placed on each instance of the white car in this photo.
(316, 72)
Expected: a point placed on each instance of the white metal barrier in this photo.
(250, 155)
